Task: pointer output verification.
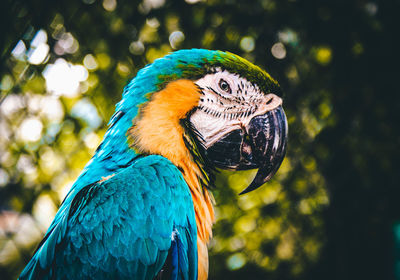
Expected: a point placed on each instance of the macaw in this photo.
(142, 207)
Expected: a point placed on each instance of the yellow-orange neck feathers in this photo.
(157, 130)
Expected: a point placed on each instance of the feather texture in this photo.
(123, 227)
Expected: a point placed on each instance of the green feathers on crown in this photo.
(196, 63)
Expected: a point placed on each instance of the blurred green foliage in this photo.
(330, 210)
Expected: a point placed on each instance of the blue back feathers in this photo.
(123, 228)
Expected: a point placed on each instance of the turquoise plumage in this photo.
(133, 214)
(124, 226)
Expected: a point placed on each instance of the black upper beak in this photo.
(261, 144)
(268, 134)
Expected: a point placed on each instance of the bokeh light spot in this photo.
(25, 164)
(30, 129)
(109, 5)
(288, 36)
(66, 44)
(3, 177)
(176, 38)
(245, 224)
(147, 5)
(358, 48)
(103, 60)
(153, 22)
(40, 38)
(123, 69)
(193, 1)
(92, 140)
(236, 261)
(247, 44)
(371, 8)
(136, 48)
(85, 110)
(63, 78)
(323, 55)
(39, 49)
(38, 55)
(285, 248)
(50, 162)
(278, 50)
(6, 83)
(12, 104)
(44, 210)
(19, 50)
(52, 109)
(90, 62)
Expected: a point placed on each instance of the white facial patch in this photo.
(228, 103)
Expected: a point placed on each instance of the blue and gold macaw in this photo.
(141, 208)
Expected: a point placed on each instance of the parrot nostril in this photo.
(270, 102)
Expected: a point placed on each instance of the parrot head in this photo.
(239, 125)
(229, 112)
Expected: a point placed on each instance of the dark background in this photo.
(332, 210)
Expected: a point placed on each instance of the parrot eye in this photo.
(224, 86)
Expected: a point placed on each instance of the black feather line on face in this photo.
(192, 142)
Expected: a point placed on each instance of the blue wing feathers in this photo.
(180, 259)
(122, 228)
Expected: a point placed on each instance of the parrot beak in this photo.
(268, 136)
(260, 144)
